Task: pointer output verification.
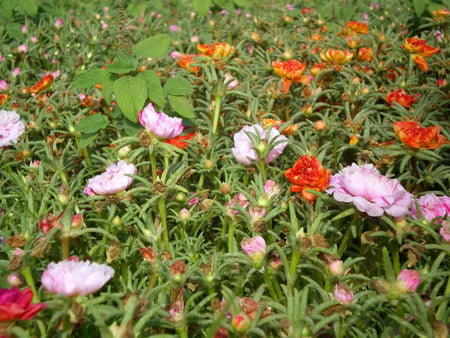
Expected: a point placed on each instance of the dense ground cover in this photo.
(179, 168)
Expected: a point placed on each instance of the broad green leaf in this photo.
(87, 139)
(153, 46)
(14, 31)
(123, 63)
(6, 9)
(242, 3)
(177, 86)
(155, 90)
(90, 78)
(92, 123)
(182, 106)
(419, 6)
(136, 9)
(108, 89)
(29, 6)
(201, 6)
(131, 93)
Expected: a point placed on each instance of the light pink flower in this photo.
(16, 72)
(343, 293)
(408, 281)
(336, 268)
(24, 29)
(253, 137)
(59, 23)
(175, 54)
(238, 199)
(432, 206)
(3, 85)
(22, 48)
(230, 81)
(34, 39)
(255, 248)
(271, 188)
(445, 230)
(370, 191)
(160, 124)
(195, 39)
(174, 28)
(71, 278)
(112, 181)
(11, 127)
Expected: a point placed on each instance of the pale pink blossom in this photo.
(72, 278)
(24, 29)
(444, 231)
(175, 54)
(230, 81)
(238, 199)
(255, 248)
(16, 72)
(160, 124)
(408, 281)
(343, 294)
(11, 127)
(336, 267)
(250, 138)
(271, 188)
(3, 85)
(195, 39)
(22, 48)
(115, 179)
(432, 206)
(370, 191)
(174, 28)
(34, 39)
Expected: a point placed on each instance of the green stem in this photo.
(163, 218)
(344, 241)
(217, 108)
(65, 246)
(153, 164)
(268, 282)
(231, 229)
(443, 306)
(182, 331)
(262, 169)
(28, 276)
(295, 259)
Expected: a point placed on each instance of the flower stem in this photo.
(153, 164)
(217, 108)
(268, 282)
(293, 270)
(163, 218)
(182, 331)
(231, 229)
(65, 246)
(262, 169)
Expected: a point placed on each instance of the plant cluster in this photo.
(256, 169)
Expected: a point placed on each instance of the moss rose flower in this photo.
(72, 278)
(11, 127)
(160, 124)
(370, 191)
(432, 206)
(112, 181)
(415, 136)
(16, 305)
(401, 97)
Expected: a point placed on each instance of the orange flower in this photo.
(179, 141)
(308, 173)
(217, 50)
(289, 130)
(421, 62)
(3, 98)
(415, 136)
(401, 97)
(316, 68)
(336, 57)
(42, 84)
(365, 54)
(355, 28)
(185, 61)
(414, 45)
(290, 70)
(441, 13)
(420, 50)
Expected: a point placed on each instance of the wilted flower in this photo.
(415, 136)
(16, 305)
(250, 138)
(370, 191)
(11, 127)
(71, 278)
(343, 293)
(308, 173)
(217, 50)
(112, 181)
(432, 206)
(238, 199)
(160, 124)
(407, 281)
(401, 97)
(49, 222)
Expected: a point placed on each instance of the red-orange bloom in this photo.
(401, 97)
(441, 13)
(185, 61)
(42, 84)
(355, 28)
(308, 173)
(290, 70)
(415, 136)
(3, 98)
(179, 141)
(217, 50)
(420, 50)
(365, 54)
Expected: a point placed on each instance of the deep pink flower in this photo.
(370, 191)
(408, 281)
(16, 305)
(11, 127)
(432, 206)
(254, 137)
(343, 293)
(73, 278)
(112, 181)
(59, 23)
(444, 231)
(160, 124)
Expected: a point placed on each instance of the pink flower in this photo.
(24, 29)
(238, 199)
(71, 278)
(175, 54)
(160, 124)
(16, 72)
(255, 248)
(3, 85)
(22, 49)
(174, 28)
(11, 127)
(112, 181)
(336, 268)
(444, 231)
(343, 293)
(251, 142)
(230, 81)
(59, 23)
(16, 305)
(34, 39)
(370, 191)
(408, 281)
(432, 206)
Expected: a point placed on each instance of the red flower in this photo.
(308, 173)
(415, 136)
(42, 84)
(179, 140)
(16, 305)
(401, 97)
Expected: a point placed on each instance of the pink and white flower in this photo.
(11, 127)
(250, 138)
(255, 248)
(408, 281)
(432, 206)
(370, 191)
(72, 278)
(343, 294)
(115, 179)
(160, 124)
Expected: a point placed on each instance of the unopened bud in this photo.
(117, 221)
(336, 268)
(208, 164)
(225, 188)
(77, 220)
(184, 214)
(15, 279)
(124, 151)
(241, 323)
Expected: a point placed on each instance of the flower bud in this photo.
(15, 279)
(241, 323)
(184, 214)
(77, 221)
(117, 221)
(208, 164)
(180, 197)
(124, 151)
(407, 281)
(320, 125)
(225, 188)
(336, 268)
